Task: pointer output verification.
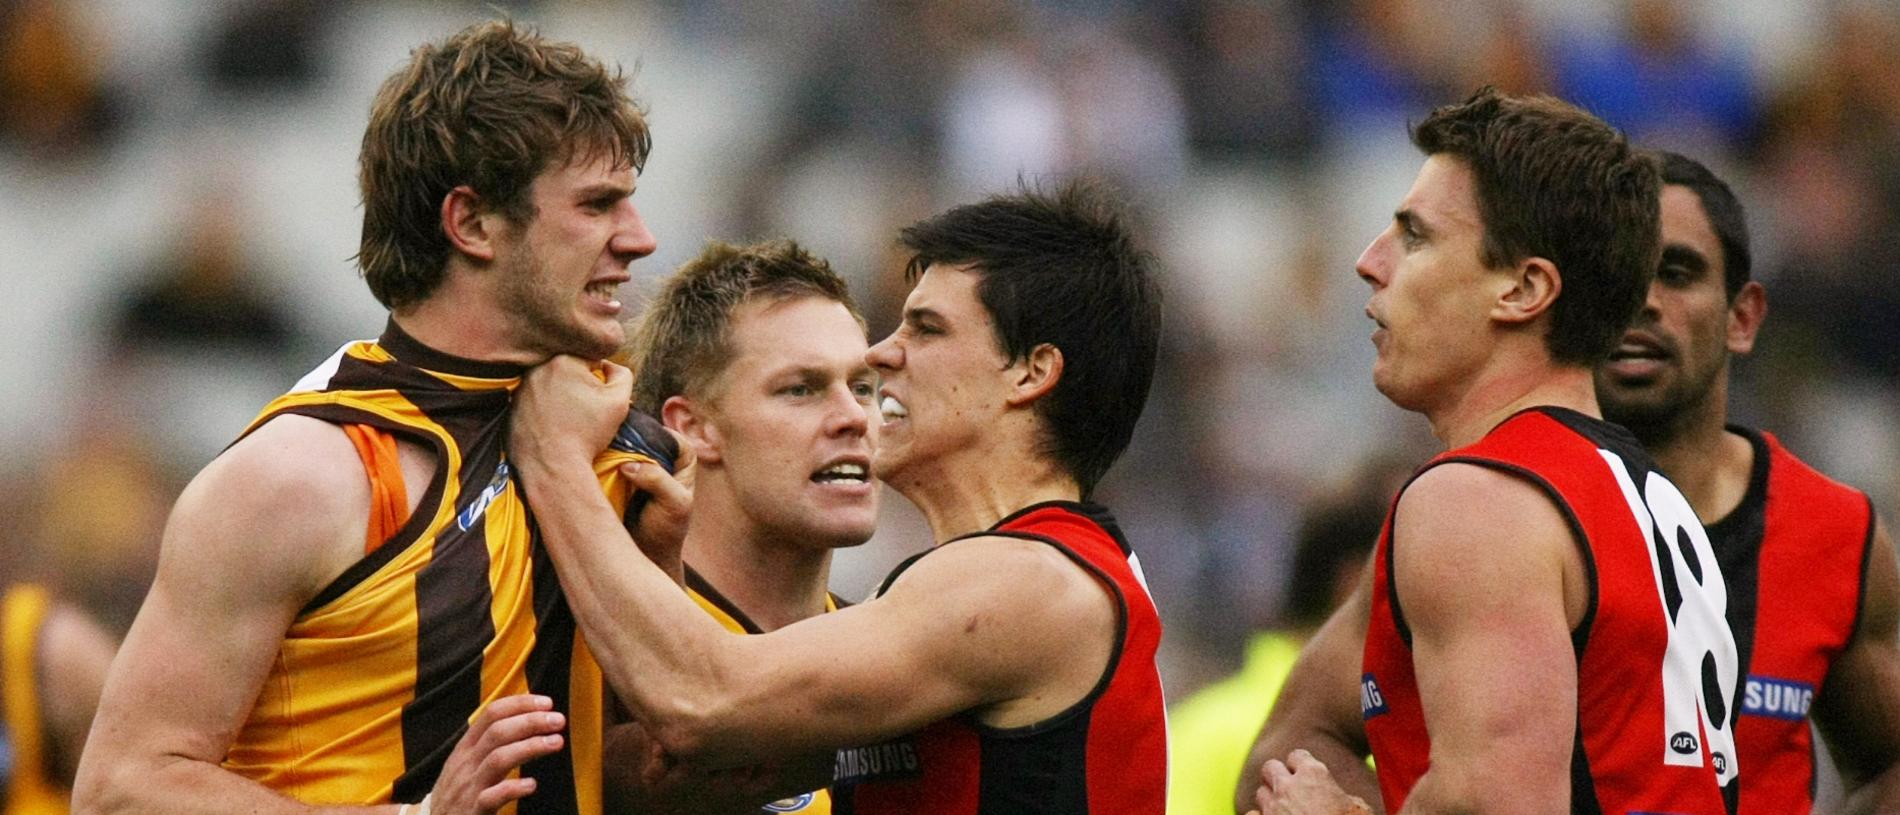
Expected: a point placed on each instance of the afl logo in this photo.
(790, 804)
(1683, 743)
(1721, 763)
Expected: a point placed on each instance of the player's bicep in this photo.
(973, 625)
(1858, 709)
(244, 549)
(1481, 585)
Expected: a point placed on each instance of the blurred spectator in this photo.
(1660, 79)
(54, 101)
(1212, 731)
(1247, 82)
(270, 45)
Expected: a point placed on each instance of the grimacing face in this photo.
(1673, 355)
(791, 427)
(944, 375)
(563, 267)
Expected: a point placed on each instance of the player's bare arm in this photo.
(642, 779)
(1858, 710)
(1491, 582)
(253, 538)
(967, 627)
(1318, 709)
(74, 655)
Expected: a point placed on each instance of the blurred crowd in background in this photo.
(178, 213)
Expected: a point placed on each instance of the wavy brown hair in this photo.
(490, 108)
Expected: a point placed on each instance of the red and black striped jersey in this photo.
(1106, 755)
(380, 672)
(1795, 552)
(1649, 738)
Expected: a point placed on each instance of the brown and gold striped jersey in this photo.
(379, 674)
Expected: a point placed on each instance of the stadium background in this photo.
(178, 211)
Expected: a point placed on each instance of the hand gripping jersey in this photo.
(1106, 755)
(458, 606)
(1794, 552)
(728, 613)
(25, 786)
(1656, 663)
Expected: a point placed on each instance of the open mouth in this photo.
(891, 409)
(844, 472)
(1637, 347)
(605, 292)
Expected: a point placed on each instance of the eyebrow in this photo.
(1410, 219)
(912, 315)
(593, 191)
(1686, 256)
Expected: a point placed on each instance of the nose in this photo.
(886, 355)
(1369, 267)
(848, 415)
(1652, 301)
(631, 239)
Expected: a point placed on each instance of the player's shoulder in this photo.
(1003, 569)
(1464, 503)
(292, 482)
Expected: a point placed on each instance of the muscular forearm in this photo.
(182, 786)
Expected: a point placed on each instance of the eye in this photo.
(864, 389)
(796, 390)
(1675, 275)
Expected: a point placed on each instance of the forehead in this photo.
(586, 169)
(949, 290)
(1686, 223)
(1445, 193)
(773, 334)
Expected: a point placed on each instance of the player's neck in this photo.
(1709, 464)
(1494, 396)
(774, 581)
(973, 492)
(461, 320)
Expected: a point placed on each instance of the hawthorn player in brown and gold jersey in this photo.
(52, 661)
(351, 608)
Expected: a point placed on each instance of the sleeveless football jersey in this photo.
(1795, 555)
(735, 620)
(1649, 738)
(23, 771)
(380, 673)
(1106, 755)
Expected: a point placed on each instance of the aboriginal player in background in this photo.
(53, 661)
(1007, 669)
(1522, 649)
(351, 610)
(1810, 573)
(1813, 592)
(754, 355)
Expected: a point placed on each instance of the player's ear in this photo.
(1035, 374)
(1531, 288)
(470, 227)
(1745, 313)
(690, 420)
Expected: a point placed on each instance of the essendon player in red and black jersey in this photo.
(1810, 571)
(1638, 533)
(1544, 631)
(961, 765)
(1010, 671)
